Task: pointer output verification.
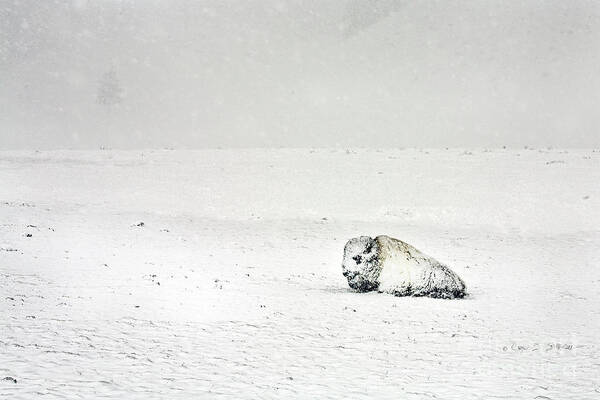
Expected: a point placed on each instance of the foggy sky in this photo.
(348, 73)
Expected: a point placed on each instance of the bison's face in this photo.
(361, 264)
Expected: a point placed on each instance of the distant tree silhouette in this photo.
(109, 92)
(362, 14)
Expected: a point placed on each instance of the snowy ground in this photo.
(232, 287)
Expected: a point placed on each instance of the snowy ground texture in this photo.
(217, 274)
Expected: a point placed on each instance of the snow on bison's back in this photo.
(392, 266)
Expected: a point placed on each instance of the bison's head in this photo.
(361, 263)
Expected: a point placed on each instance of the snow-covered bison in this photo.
(389, 265)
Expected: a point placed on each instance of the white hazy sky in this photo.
(254, 73)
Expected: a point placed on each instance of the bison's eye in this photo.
(357, 258)
(369, 247)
